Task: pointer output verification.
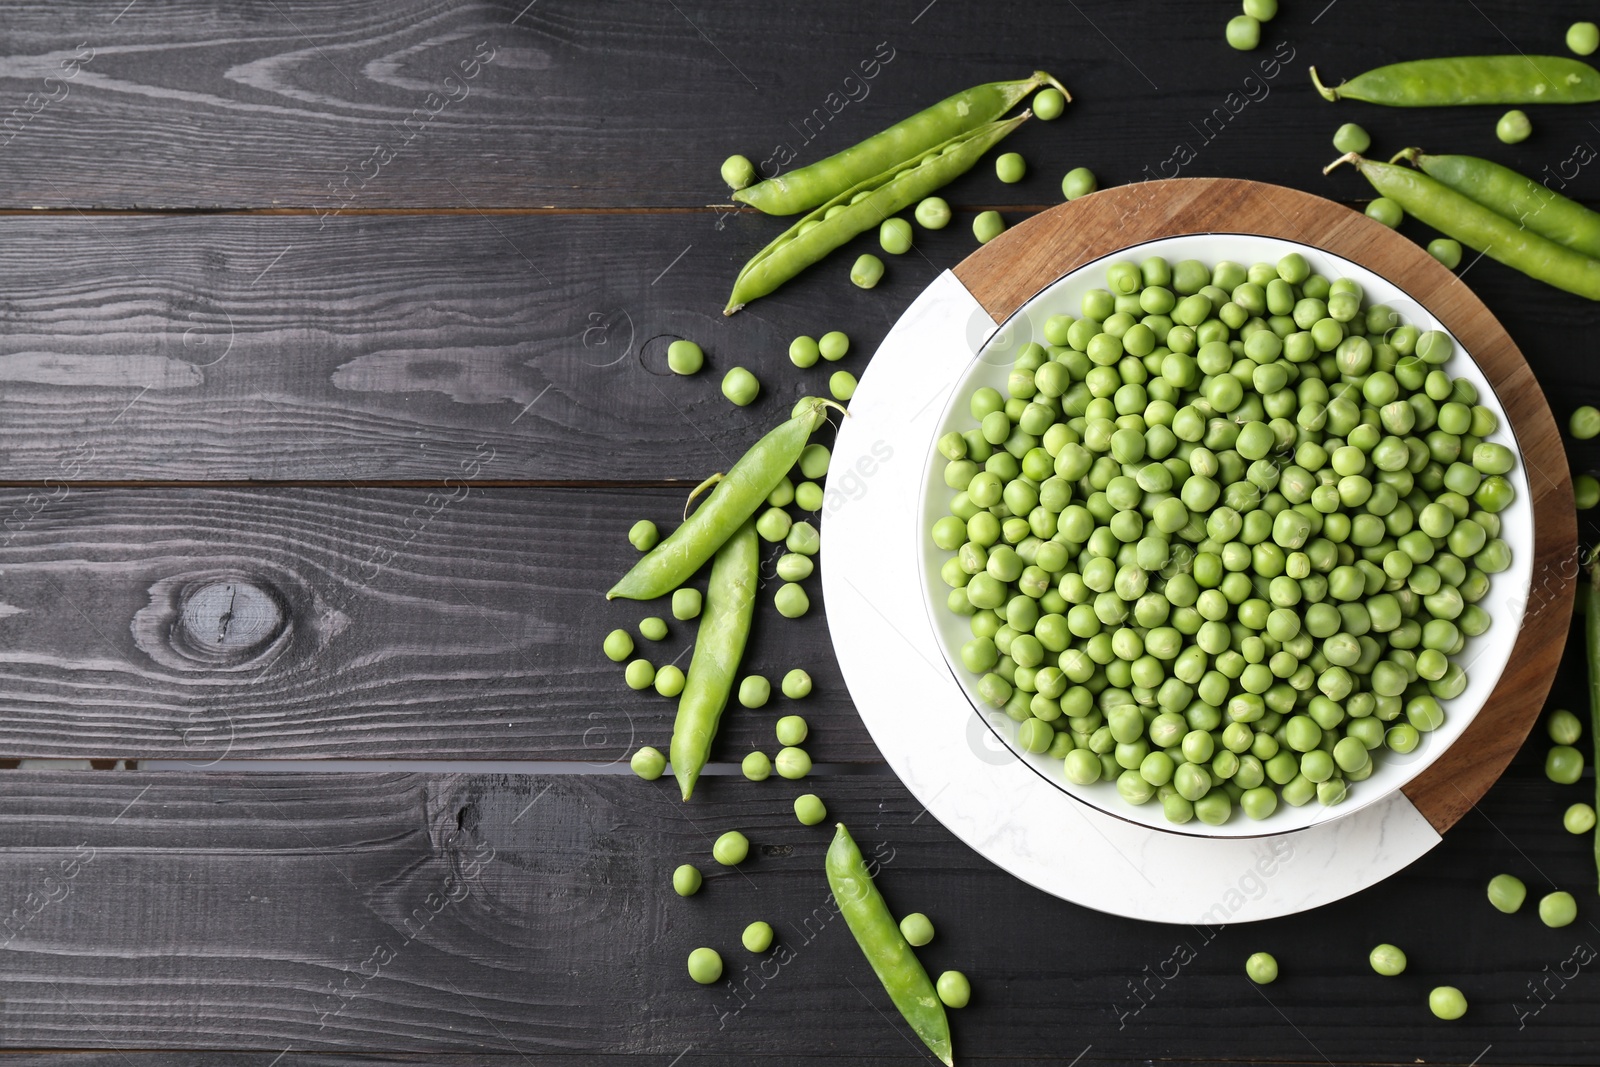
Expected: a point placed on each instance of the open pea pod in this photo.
(817, 183)
(863, 207)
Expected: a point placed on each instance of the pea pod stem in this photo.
(1517, 79)
(735, 498)
(815, 235)
(817, 183)
(885, 947)
(697, 490)
(1480, 228)
(719, 645)
(1517, 197)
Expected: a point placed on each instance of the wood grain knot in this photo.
(215, 620)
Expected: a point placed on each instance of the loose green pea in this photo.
(894, 237)
(842, 384)
(804, 351)
(793, 763)
(1513, 127)
(1386, 211)
(618, 645)
(648, 763)
(1563, 764)
(1244, 32)
(1564, 727)
(1266, 11)
(740, 387)
(791, 601)
(1387, 960)
(1351, 138)
(1048, 103)
(808, 496)
(1079, 181)
(809, 809)
(757, 937)
(670, 681)
(640, 674)
(1585, 491)
(1010, 168)
(1557, 909)
(917, 929)
(686, 880)
(1584, 423)
(954, 989)
(987, 226)
(686, 603)
(1447, 1002)
(1583, 38)
(867, 271)
(643, 535)
(792, 730)
(731, 849)
(933, 213)
(1506, 893)
(833, 345)
(653, 628)
(814, 460)
(1578, 819)
(685, 357)
(804, 539)
(705, 965)
(796, 684)
(738, 172)
(1446, 251)
(754, 691)
(757, 766)
(1261, 968)
(793, 566)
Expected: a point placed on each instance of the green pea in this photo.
(1388, 960)
(739, 172)
(1585, 491)
(1506, 893)
(705, 965)
(954, 989)
(1446, 251)
(793, 763)
(648, 763)
(1010, 168)
(618, 645)
(640, 674)
(643, 535)
(987, 226)
(791, 730)
(685, 357)
(653, 628)
(1584, 422)
(1351, 138)
(1578, 819)
(796, 684)
(803, 539)
(1244, 32)
(794, 566)
(809, 809)
(686, 603)
(1583, 38)
(740, 387)
(731, 849)
(1385, 211)
(833, 345)
(1564, 727)
(1557, 909)
(757, 937)
(686, 880)
(1447, 1002)
(917, 929)
(1563, 764)
(1265, 11)
(1079, 181)
(804, 351)
(814, 460)
(933, 213)
(894, 237)
(1261, 968)
(757, 766)
(867, 271)
(1514, 127)
(670, 681)
(842, 384)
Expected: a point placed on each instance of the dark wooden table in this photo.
(331, 376)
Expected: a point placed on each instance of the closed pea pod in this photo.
(724, 628)
(1519, 79)
(885, 947)
(887, 193)
(1521, 199)
(734, 499)
(807, 187)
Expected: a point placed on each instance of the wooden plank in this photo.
(281, 623)
(498, 916)
(330, 104)
(1012, 268)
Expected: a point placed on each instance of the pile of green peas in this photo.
(1222, 538)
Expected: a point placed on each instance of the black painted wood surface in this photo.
(435, 327)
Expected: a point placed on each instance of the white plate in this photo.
(1021, 816)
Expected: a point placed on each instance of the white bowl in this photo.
(1483, 658)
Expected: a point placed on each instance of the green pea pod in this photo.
(1515, 79)
(730, 603)
(736, 497)
(1518, 198)
(817, 183)
(892, 958)
(1591, 641)
(1481, 228)
(814, 236)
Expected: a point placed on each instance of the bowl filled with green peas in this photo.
(1225, 535)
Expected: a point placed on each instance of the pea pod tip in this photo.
(1327, 93)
